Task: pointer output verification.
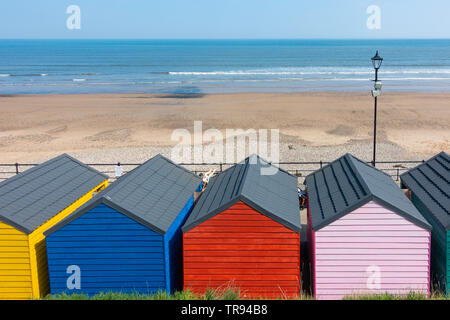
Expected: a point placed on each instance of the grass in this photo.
(230, 292)
(410, 296)
(210, 294)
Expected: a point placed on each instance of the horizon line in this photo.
(230, 39)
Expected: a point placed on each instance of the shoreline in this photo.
(35, 127)
(175, 92)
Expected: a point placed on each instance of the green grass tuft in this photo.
(231, 292)
(386, 296)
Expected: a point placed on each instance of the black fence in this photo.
(299, 169)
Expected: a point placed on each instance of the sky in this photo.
(225, 19)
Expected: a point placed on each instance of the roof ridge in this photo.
(55, 201)
(30, 170)
(271, 164)
(432, 197)
(368, 165)
(45, 163)
(128, 175)
(22, 174)
(365, 181)
(442, 154)
(360, 179)
(123, 178)
(431, 181)
(159, 155)
(221, 196)
(244, 177)
(260, 160)
(339, 185)
(47, 195)
(83, 164)
(327, 165)
(48, 182)
(155, 221)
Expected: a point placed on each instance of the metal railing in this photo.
(299, 169)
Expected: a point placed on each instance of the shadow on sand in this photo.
(186, 92)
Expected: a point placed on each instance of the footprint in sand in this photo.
(111, 135)
(57, 130)
(29, 138)
(342, 130)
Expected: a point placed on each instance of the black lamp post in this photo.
(376, 61)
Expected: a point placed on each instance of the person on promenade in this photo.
(118, 171)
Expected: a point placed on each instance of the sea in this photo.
(220, 66)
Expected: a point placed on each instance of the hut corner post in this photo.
(38, 248)
(312, 250)
(173, 248)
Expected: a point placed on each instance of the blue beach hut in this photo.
(127, 238)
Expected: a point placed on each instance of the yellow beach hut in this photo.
(30, 203)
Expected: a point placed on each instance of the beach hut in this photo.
(430, 192)
(365, 236)
(128, 238)
(244, 232)
(30, 203)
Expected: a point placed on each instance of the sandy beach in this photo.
(133, 127)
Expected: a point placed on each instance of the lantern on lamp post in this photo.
(376, 62)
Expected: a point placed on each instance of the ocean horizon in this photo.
(221, 66)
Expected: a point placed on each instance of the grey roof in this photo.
(348, 183)
(152, 194)
(430, 182)
(36, 195)
(274, 195)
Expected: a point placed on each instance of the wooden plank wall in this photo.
(371, 236)
(243, 248)
(15, 270)
(113, 252)
(38, 251)
(438, 247)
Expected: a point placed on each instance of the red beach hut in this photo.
(245, 231)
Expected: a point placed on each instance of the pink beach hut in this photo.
(365, 236)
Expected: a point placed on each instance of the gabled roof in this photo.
(348, 183)
(430, 182)
(153, 194)
(33, 197)
(274, 195)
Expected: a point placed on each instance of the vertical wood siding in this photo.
(438, 247)
(243, 248)
(371, 236)
(15, 271)
(114, 253)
